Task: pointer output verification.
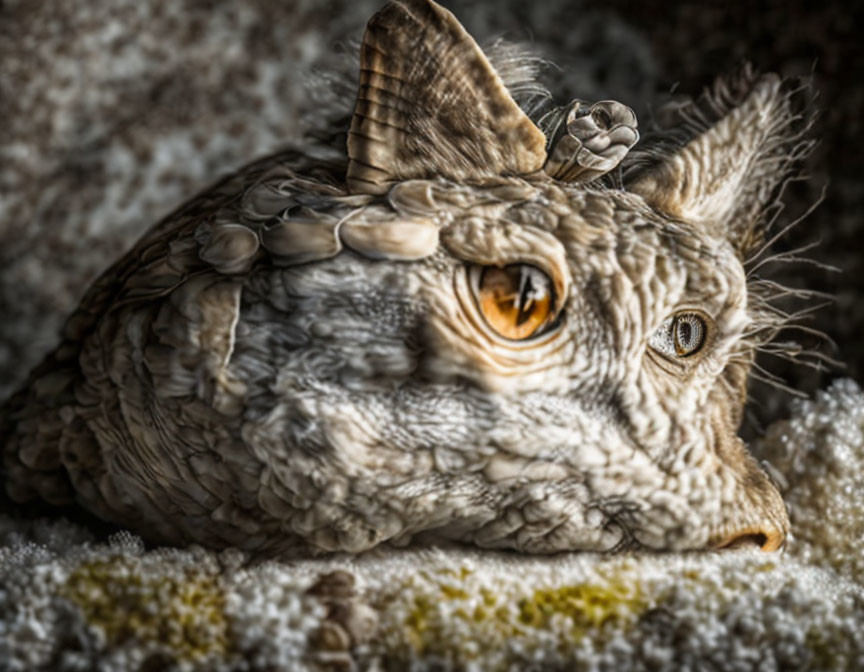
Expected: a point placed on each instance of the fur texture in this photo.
(297, 360)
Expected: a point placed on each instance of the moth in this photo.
(463, 325)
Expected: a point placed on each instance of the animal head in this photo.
(585, 350)
(464, 330)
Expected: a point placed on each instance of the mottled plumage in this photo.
(450, 329)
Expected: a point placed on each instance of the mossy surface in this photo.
(568, 612)
(183, 614)
(587, 606)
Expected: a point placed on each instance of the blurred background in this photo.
(113, 113)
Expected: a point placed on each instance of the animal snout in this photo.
(766, 537)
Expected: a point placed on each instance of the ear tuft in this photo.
(722, 159)
(430, 104)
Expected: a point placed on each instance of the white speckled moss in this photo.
(818, 454)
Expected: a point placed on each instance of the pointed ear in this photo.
(722, 166)
(430, 104)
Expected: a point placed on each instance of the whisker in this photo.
(782, 232)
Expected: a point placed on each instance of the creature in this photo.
(463, 329)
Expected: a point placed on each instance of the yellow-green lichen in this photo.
(453, 593)
(417, 622)
(494, 619)
(185, 615)
(587, 605)
(424, 624)
(829, 651)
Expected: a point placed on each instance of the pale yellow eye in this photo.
(682, 335)
(688, 334)
(516, 300)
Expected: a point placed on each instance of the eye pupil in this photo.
(515, 300)
(688, 334)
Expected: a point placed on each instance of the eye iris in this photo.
(688, 334)
(515, 300)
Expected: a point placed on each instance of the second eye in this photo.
(682, 335)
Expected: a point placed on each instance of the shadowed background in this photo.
(114, 113)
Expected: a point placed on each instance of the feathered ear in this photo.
(734, 148)
(430, 104)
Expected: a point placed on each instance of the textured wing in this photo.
(430, 104)
(204, 236)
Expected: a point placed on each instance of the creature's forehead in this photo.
(582, 236)
(618, 271)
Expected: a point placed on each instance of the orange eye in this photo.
(515, 300)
